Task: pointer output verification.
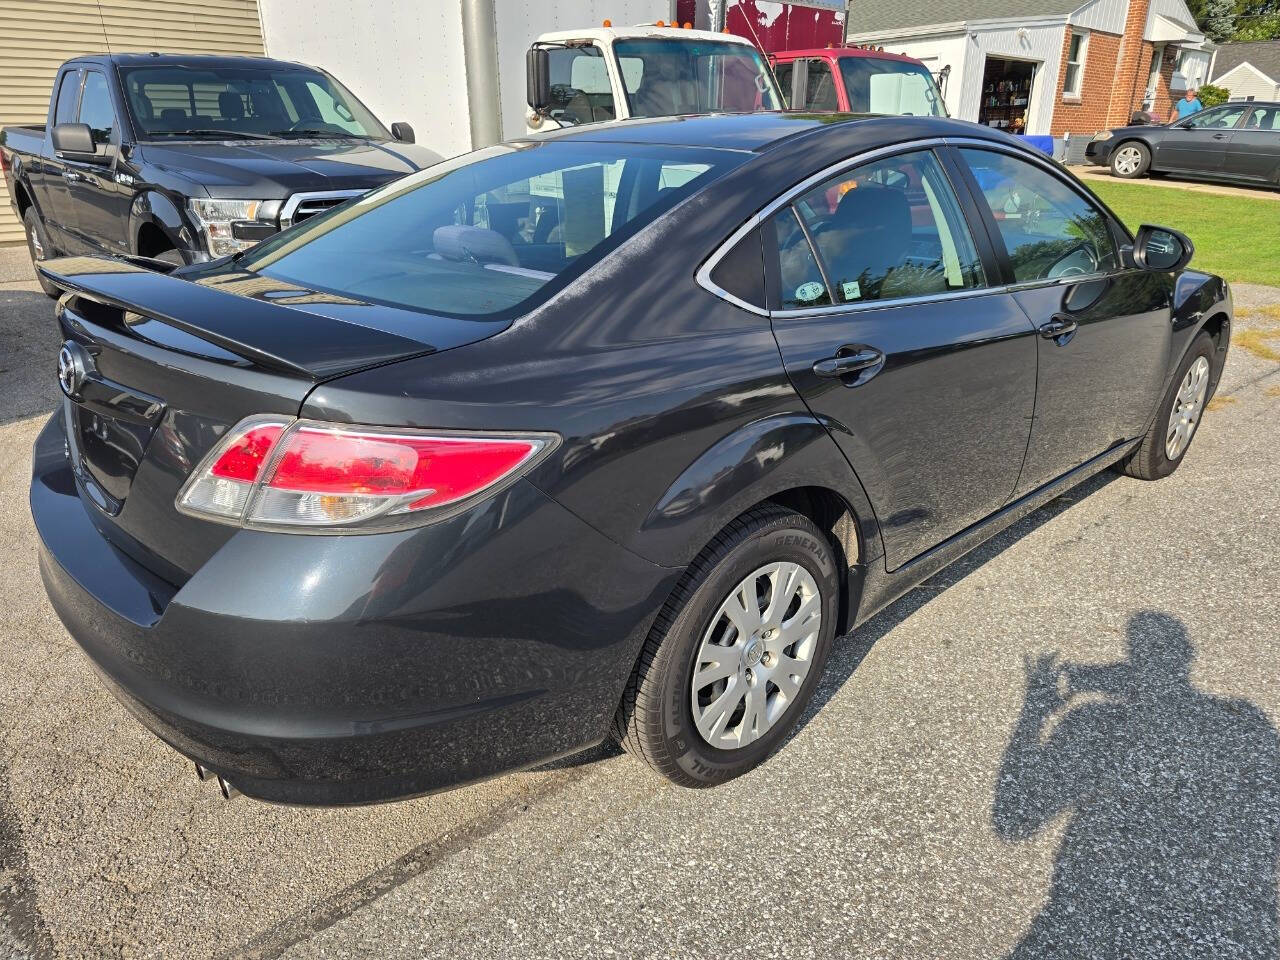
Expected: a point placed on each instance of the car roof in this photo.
(642, 31)
(758, 132)
(188, 60)
(839, 53)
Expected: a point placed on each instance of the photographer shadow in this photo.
(1173, 803)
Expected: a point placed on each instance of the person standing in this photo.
(1185, 107)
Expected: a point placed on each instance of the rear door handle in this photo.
(1220, 136)
(848, 360)
(1059, 326)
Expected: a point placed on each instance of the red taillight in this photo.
(246, 456)
(327, 475)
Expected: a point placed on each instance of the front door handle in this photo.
(848, 360)
(1059, 326)
(1220, 136)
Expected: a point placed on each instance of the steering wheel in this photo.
(1079, 261)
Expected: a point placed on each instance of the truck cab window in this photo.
(96, 109)
(820, 90)
(580, 91)
(65, 111)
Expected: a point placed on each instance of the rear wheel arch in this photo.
(22, 198)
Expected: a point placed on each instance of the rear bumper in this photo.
(336, 670)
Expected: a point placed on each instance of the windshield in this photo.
(483, 234)
(244, 101)
(890, 86)
(669, 78)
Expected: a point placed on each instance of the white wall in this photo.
(520, 22)
(1106, 15)
(1247, 81)
(1039, 42)
(403, 59)
(966, 52)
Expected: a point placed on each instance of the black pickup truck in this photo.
(192, 158)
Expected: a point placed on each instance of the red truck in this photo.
(856, 80)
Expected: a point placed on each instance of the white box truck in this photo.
(457, 70)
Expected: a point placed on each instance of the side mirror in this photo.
(75, 140)
(537, 79)
(403, 132)
(1160, 248)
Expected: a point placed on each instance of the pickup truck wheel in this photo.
(736, 653)
(38, 245)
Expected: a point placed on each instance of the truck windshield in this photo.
(668, 78)
(487, 233)
(177, 101)
(897, 87)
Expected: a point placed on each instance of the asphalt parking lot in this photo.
(1064, 745)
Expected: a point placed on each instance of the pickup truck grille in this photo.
(303, 206)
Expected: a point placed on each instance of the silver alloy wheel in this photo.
(1187, 407)
(755, 655)
(1127, 161)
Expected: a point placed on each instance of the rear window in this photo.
(488, 233)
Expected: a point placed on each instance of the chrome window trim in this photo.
(888, 304)
(298, 199)
(703, 275)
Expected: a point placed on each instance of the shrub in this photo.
(1211, 96)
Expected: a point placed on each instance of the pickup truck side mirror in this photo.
(403, 132)
(537, 68)
(1161, 249)
(76, 141)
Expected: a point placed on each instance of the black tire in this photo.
(1123, 159)
(38, 247)
(655, 720)
(1150, 460)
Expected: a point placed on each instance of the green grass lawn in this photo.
(1236, 237)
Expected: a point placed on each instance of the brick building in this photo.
(1045, 66)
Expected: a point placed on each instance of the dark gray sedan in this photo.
(1237, 141)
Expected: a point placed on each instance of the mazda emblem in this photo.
(71, 369)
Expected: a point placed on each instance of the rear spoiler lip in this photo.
(379, 346)
(245, 350)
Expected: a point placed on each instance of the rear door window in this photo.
(801, 283)
(891, 229)
(484, 234)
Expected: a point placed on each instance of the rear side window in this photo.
(800, 281)
(487, 233)
(891, 229)
(65, 111)
(740, 272)
(1049, 230)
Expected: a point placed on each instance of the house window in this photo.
(1075, 64)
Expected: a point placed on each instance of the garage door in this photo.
(36, 36)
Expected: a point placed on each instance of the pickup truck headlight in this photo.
(1104, 135)
(230, 226)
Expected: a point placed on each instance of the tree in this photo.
(1261, 27)
(1219, 20)
(1210, 95)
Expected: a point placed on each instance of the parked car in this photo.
(1237, 141)
(492, 463)
(856, 79)
(186, 158)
